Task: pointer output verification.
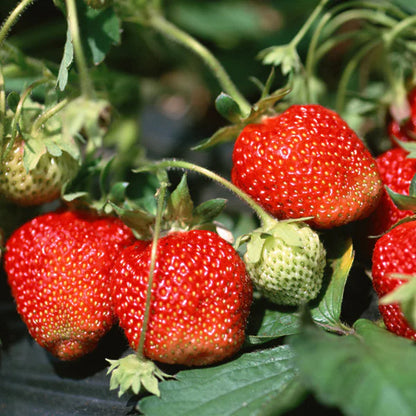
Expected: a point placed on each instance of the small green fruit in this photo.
(39, 185)
(286, 262)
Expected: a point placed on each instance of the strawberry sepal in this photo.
(135, 373)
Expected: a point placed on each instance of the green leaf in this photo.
(412, 187)
(13, 100)
(100, 30)
(328, 310)
(180, 205)
(33, 151)
(371, 372)
(209, 210)
(277, 322)
(66, 63)
(285, 56)
(248, 385)
(222, 135)
(227, 107)
(404, 202)
(405, 295)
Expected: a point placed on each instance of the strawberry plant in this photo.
(207, 208)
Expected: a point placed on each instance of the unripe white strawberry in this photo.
(41, 184)
(286, 262)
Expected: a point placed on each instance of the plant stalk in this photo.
(44, 117)
(158, 224)
(263, 216)
(12, 19)
(86, 84)
(158, 22)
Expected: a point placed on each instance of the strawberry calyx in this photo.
(405, 295)
(285, 230)
(135, 373)
(179, 213)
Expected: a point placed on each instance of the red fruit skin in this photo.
(307, 162)
(58, 270)
(201, 298)
(394, 252)
(405, 130)
(396, 171)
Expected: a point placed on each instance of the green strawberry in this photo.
(38, 185)
(286, 262)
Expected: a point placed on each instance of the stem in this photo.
(264, 217)
(19, 107)
(159, 23)
(86, 85)
(44, 117)
(294, 42)
(349, 70)
(399, 28)
(13, 17)
(158, 224)
(2, 104)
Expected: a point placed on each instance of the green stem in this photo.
(398, 29)
(12, 19)
(86, 85)
(264, 217)
(168, 29)
(306, 26)
(158, 225)
(44, 117)
(2, 104)
(349, 70)
(19, 107)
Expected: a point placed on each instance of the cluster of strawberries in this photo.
(74, 274)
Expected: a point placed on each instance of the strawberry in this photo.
(286, 262)
(396, 171)
(307, 162)
(394, 252)
(41, 184)
(404, 130)
(58, 270)
(201, 297)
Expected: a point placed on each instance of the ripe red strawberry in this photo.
(396, 171)
(58, 270)
(201, 298)
(307, 162)
(39, 185)
(394, 252)
(405, 130)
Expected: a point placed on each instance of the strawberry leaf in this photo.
(66, 63)
(328, 310)
(222, 135)
(370, 372)
(255, 383)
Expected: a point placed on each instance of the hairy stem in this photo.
(158, 22)
(158, 223)
(13, 18)
(264, 217)
(86, 85)
(44, 117)
(306, 26)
